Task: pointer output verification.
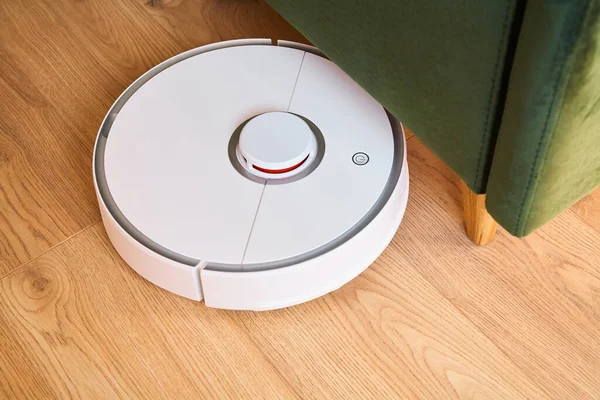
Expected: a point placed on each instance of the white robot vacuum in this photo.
(251, 175)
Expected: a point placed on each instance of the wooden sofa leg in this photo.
(480, 225)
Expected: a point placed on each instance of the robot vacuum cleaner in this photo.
(254, 176)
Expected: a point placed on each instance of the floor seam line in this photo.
(49, 249)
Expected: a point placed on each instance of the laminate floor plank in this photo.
(588, 209)
(536, 298)
(77, 322)
(435, 317)
(46, 193)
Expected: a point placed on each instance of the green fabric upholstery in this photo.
(548, 149)
(506, 92)
(436, 65)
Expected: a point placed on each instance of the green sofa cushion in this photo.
(548, 149)
(437, 66)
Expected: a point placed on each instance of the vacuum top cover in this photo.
(247, 155)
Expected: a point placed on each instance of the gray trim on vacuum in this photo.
(106, 196)
(122, 220)
(105, 130)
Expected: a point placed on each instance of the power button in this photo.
(360, 158)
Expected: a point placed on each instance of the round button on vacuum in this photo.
(276, 145)
(360, 158)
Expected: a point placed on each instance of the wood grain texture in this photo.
(194, 21)
(588, 209)
(62, 65)
(408, 133)
(479, 224)
(79, 322)
(45, 189)
(434, 317)
(537, 298)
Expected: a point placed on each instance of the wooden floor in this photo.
(435, 317)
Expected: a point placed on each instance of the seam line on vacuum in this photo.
(265, 184)
(252, 226)
(296, 83)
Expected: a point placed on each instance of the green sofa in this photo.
(506, 93)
